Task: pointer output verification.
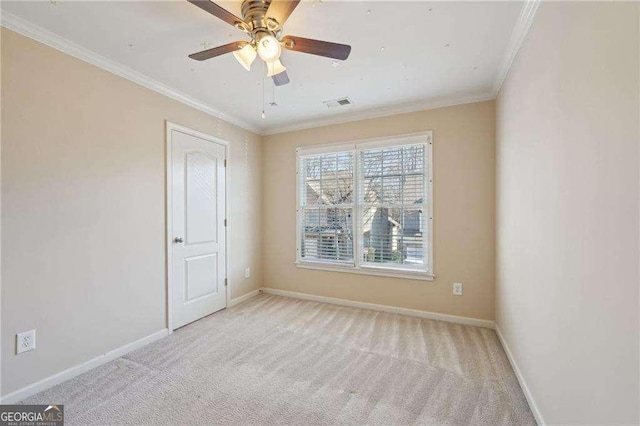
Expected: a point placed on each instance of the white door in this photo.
(198, 221)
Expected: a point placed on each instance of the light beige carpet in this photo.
(276, 360)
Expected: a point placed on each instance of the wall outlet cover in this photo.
(457, 289)
(247, 272)
(25, 341)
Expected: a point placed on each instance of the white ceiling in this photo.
(434, 52)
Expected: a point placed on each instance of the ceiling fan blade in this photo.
(281, 79)
(219, 12)
(217, 51)
(280, 10)
(317, 47)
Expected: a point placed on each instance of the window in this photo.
(327, 208)
(366, 207)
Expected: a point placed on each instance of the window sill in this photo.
(367, 270)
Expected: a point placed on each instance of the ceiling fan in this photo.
(263, 21)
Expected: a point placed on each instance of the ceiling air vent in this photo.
(338, 103)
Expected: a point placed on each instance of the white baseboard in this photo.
(69, 373)
(384, 308)
(240, 299)
(520, 377)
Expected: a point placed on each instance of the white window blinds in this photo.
(327, 186)
(393, 205)
(367, 205)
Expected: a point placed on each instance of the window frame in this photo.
(425, 138)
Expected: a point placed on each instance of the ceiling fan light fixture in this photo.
(246, 56)
(275, 67)
(269, 48)
(262, 20)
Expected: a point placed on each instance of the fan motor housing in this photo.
(253, 13)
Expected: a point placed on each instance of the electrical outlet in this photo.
(247, 272)
(25, 341)
(457, 289)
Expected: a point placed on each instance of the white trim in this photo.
(520, 31)
(325, 148)
(227, 216)
(380, 142)
(356, 217)
(169, 127)
(383, 308)
(237, 300)
(381, 112)
(366, 270)
(27, 29)
(355, 147)
(72, 372)
(428, 239)
(168, 227)
(520, 377)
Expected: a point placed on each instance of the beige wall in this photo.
(463, 163)
(83, 212)
(567, 212)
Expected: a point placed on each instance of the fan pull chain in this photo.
(263, 84)
(273, 97)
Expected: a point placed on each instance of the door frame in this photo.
(169, 127)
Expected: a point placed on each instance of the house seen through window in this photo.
(366, 206)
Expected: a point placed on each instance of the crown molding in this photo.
(521, 28)
(27, 29)
(382, 112)
(520, 31)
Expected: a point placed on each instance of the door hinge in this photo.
(225, 222)
(225, 282)
(225, 162)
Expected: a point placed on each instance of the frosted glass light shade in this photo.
(275, 67)
(269, 49)
(246, 56)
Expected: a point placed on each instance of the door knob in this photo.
(178, 240)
